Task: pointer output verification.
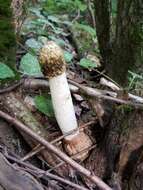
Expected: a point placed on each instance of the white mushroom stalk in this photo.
(54, 66)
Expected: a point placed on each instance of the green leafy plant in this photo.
(54, 19)
(85, 28)
(114, 7)
(55, 6)
(44, 105)
(59, 41)
(86, 63)
(33, 44)
(5, 71)
(80, 5)
(68, 56)
(42, 40)
(133, 78)
(36, 11)
(29, 65)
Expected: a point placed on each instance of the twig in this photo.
(114, 87)
(14, 105)
(36, 84)
(56, 151)
(77, 17)
(39, 148)
(12, 87)
(93, 92)
(106, 76)
(33, 152)
(43, 174)
(105, 82)
(62, 162)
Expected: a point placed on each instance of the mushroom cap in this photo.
(52, 60)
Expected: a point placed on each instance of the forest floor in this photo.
(111, 117)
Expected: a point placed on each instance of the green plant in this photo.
(85, 27)
(44, 104)
(86, 63)
(29, 65)
(68, 56)
(133, 78)
(55, 6)
(5, 71)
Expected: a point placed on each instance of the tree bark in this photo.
(124, 52)
(102, 18)
(121, 154)
(15, 106)
(127, 41)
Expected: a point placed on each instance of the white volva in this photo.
(63, 106)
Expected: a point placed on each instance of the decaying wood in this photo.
(56, 151)
(13, 178)
(103, 94)
(36, 84)
(91, 92)
(116, 145)
(132, 148)
(43, 174)
(11, 87)
(114, 87)
(16, 108)
(123, 145)
(11, 139)
(38, 148)
(97, 163)
(105, 82)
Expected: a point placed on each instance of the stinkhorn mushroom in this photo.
(54, 68)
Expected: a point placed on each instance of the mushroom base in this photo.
(78, 146)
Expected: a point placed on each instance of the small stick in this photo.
(114, 87)
(56, 151)
(101, 94)
(75, 88)
(33, 152)
(106, 76)
(77, 17)
(38, 148)
(12, 87)
(43, 173)
(93, 92)
(62, 162)
(110, 84)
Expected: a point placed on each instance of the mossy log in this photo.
(14, 105)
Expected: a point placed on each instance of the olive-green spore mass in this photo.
(52, 60)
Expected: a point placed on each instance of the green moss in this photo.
(125, 128)
(84, 40)
(121, 120)
(5, 8)
(7, 34)
(125, 108)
